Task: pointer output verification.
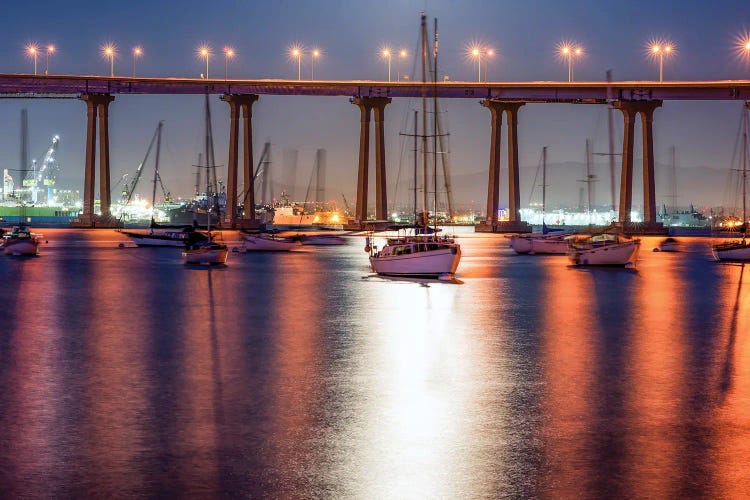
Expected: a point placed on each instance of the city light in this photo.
(478, 53)
(50, 50)
(742, 44)
(137, 52)
(109, 51)
(32, 50)
(658, 50)
(295, 52)
(386, 54)
(314, 55)
(569, 51)
(228, 54)
(204, 52)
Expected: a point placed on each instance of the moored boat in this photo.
(165, 238)
(418, 255)
(264, 242)
(669, 245)
(207, 253)
(322, 239)
(21, 241)
(604, 250)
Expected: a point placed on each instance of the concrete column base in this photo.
(505, 226)
(95, 221)
(645, 228)
(250, 224)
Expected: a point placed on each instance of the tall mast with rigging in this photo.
(424, 119)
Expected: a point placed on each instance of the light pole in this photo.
(401, 55)
(569, 53)
(109, 53)
(32, 50)
(50, 50)
(137, 52)
(386, 53)
(661, 50)
(296, 52)
(477, 54)
(205, 52)
(228, 54)
(315, 54)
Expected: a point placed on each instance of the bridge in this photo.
(632, 98)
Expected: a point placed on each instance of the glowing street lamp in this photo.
(489, 54)
(401, 55)
(50, 50)
(137, 52)
(109, 52)
(314, 55)
(661, 50)
(228, 54)
(569, 52)
(478, 53)
(33, 50)
(297, 52)
(743, 47)
(204, 52)
(386, 53)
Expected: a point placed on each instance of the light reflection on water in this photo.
(124, 373)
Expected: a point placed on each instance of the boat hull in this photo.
(731, 252)
(323, 240)
(520, 244)
(18, 248)
(256, 243)
(549, 246)
(431, 263)
(206, 256)
(615, 254)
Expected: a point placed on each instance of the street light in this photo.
(109, 51)
(489, 53)
(661, 50)
(386, 53)
(137, 52)
(401, 55)
(477, 54)
(314, 55)
(569, 52)
(228, 54)
(296, 52)
(50, 50)
(204, 52)
(32, 50)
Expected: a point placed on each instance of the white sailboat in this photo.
(544, 244)
(604, 249)
(266, 242)
(208, 252)
(422, 253)
(738, 250)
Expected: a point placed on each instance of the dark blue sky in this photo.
(350, 33)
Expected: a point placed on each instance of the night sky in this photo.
(350, 33)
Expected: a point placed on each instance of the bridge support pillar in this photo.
(366, 106)
(96, 104)
(514, 224)
(240, 103)
(630, 110)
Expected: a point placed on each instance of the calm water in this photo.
(125, 374)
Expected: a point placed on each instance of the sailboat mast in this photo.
(744, 171)
(611, 133)
(156, 169)
(589, 179)
(434, 123)
(424, 119)
(416, 150)
(544, 181)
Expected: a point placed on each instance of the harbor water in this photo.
(126, 374)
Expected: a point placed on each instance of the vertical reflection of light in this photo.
(115, 393)
(414, 419)
(35, 386)
(732, 449)
(197, 433)
(569, 353)
(655, 395)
